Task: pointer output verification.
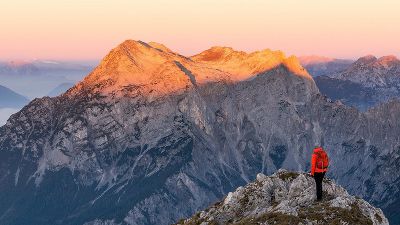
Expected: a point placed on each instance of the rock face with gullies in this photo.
(151, 136)
(288, 198)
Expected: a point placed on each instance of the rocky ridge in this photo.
(288, 198)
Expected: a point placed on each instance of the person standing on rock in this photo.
(319, 166)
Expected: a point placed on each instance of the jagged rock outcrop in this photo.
(288, 198)
(151, 136)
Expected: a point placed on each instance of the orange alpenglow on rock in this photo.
(242, 65)
(136, 63)
(388, 61)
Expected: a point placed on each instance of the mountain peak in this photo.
(133, 47)
(389, 60)
(157, 67)
(366, 60)
(152, 66)
(216, 53)
(383, 61)
(133, 63)
(373, 72)
(289, 198)
(159, 46)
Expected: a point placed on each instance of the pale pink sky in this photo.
(88, 29)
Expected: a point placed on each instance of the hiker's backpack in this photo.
(322, 161)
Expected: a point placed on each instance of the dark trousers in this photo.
(318, 177)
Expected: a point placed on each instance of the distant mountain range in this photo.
(151, 136)
(365, 83)
(320, 65)
(10, 103)
(373, 72)
(42, 67)
(38, 78)
(11, 99)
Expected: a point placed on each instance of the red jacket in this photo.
(314, 168)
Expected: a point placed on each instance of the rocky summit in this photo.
(151, 136)
(288, 198)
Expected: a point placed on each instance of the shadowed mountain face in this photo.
(151, 136)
